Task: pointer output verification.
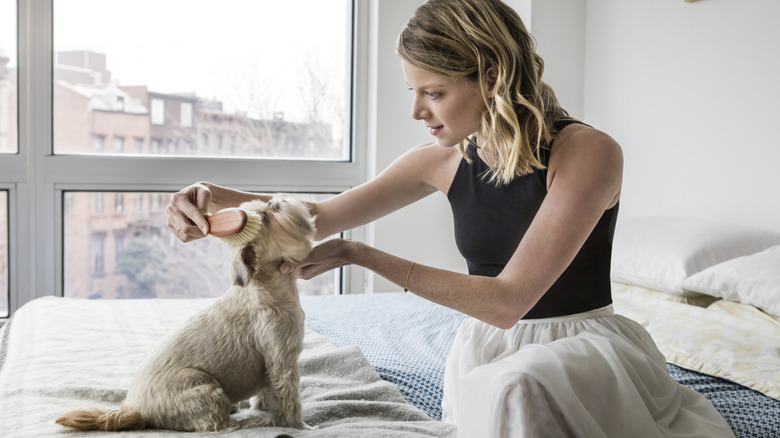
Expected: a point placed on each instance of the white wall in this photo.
(691, 91)
(558, 27)
(422, 232)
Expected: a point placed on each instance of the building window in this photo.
(98, 247)
(185, 111)
(157, 111)
(139, 202)
(99, 143)
(156, 146)
(98, 203)
(119, 144)
(119, 243)
(139, 145)
(119, 202)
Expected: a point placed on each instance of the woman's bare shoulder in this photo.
(585, 145)
(435, 163)
(586, 158)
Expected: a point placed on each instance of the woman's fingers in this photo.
(323, 258)
(287, 267)
(186, 212)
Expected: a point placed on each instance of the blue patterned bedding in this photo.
(407, 340)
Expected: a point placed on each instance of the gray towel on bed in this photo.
(61, 354)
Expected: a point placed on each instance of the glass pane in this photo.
(236, 78)
(8, 77)
(117, 245)
(3, 254)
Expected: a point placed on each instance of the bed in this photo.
(373, 364)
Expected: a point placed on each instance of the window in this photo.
(186, 115)
(100, 143)
(91, 79)
(119, 202)
(138, 145)
(158, 112)
(155, 149)
(98, 201)
(148, 261)
(297, 109)
(98, 252)
(119, 244)
(119, 144)
(8, 77)
(3, 254)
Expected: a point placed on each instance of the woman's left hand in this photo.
(328, 255)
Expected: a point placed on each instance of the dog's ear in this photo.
(240, 265)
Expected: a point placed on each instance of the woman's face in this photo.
(451, 108)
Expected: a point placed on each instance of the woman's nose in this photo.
(419, 112)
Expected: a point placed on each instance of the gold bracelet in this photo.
(406, 288)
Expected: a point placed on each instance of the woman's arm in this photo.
(412, 176)
(584, 179)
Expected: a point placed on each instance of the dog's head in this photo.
(285, 234)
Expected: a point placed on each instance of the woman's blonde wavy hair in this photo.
(465, 38)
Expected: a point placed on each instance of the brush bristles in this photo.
(247, 234)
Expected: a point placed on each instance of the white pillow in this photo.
(661, 252)
(753, 279)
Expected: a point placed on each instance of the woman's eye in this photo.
(433, 95)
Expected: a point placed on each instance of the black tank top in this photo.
(490, 221)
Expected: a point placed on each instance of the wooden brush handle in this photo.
(227, 222)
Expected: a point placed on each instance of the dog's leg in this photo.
(196, 404)
(265, 400)
(284, 379)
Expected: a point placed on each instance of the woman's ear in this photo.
(491, 75)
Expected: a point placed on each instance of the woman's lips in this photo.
(435, 129)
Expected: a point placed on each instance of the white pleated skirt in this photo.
(593, 374)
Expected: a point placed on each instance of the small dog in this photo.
(244, 345)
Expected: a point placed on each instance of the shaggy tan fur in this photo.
(245, 345)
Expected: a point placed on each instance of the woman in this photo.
(534, 195)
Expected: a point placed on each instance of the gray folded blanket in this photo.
(59, 354)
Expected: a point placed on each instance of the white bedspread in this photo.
(725, 339)
(60, 354)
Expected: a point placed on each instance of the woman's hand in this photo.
(331, 254)
(186, 212)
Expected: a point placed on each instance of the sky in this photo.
(238, 51)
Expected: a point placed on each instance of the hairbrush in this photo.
(234, 226)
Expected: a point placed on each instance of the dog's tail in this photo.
(124, 418)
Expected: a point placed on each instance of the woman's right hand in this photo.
(186, 212)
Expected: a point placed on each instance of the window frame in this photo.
(36, 178)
